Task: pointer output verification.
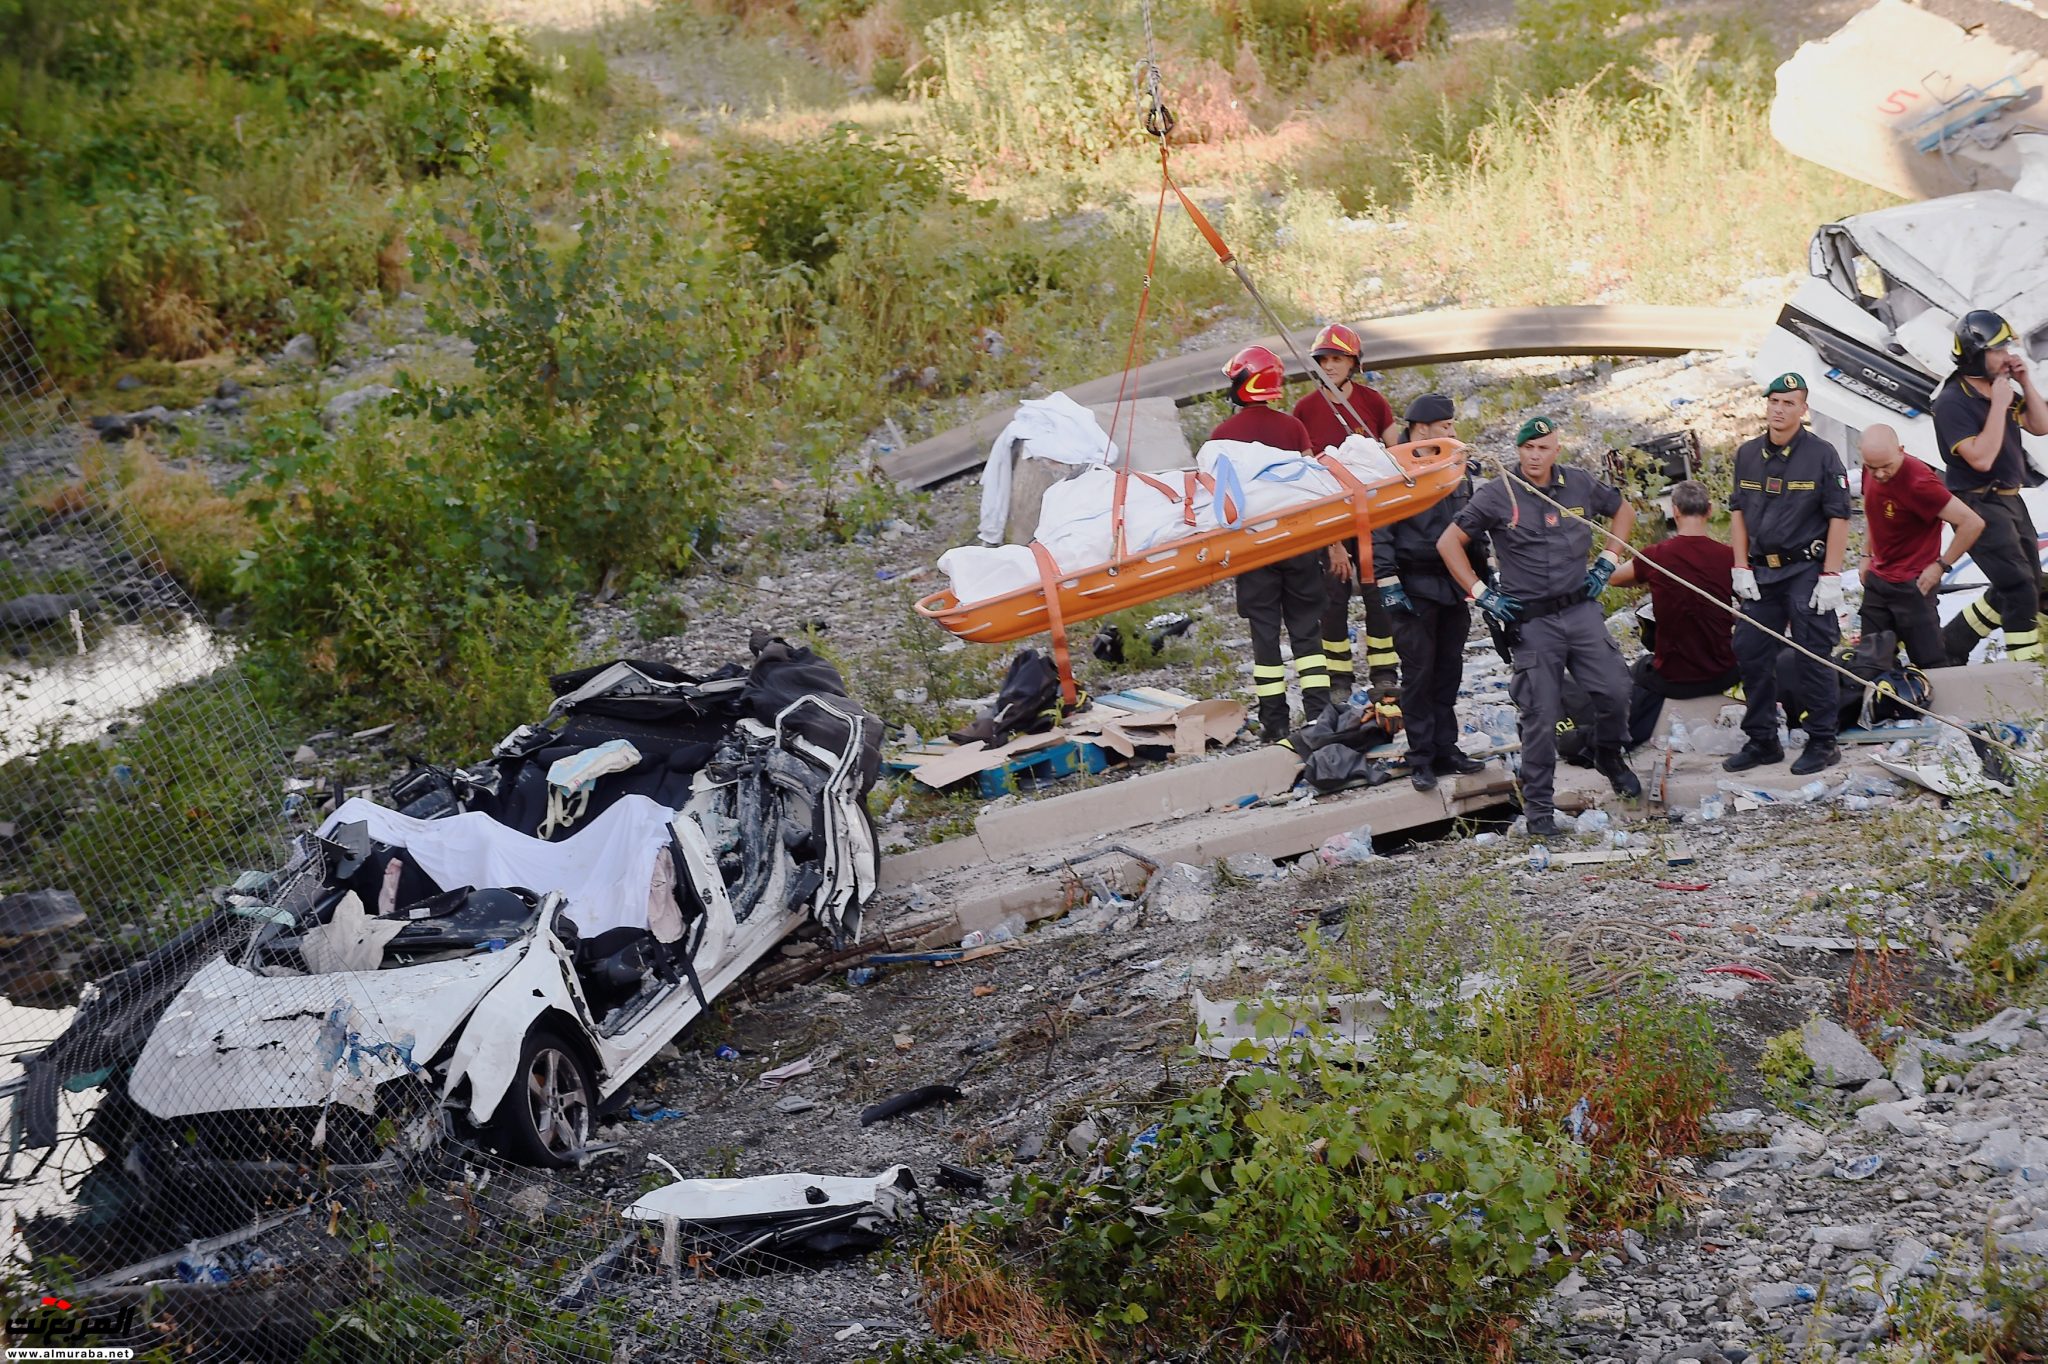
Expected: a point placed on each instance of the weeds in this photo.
(1414, 1202)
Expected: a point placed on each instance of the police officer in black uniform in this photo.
(1979, 413)
(1430, 618)
(1547, 594)
(1788, 522)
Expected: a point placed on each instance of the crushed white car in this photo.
(509, 948)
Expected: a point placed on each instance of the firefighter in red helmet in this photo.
(1285, 597)
(1364, 410)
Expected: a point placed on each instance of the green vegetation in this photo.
(1412, 1203)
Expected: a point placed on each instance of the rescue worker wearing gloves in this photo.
(1979, 412)
(1788, 523)
(1285, 597)
(1538, 521)
(1905, 505)
(1363, 409)
(1430, 616)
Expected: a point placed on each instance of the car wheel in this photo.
(544, 1119)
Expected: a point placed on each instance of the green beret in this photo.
(1787, 382)
(1533, 428)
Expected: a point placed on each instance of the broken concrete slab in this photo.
(1911, 102)
(1838, 1058)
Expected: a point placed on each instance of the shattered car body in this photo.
(1873, 326)
(504, 952)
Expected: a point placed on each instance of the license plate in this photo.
(1876, 395)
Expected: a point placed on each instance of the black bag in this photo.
(1875, 660)
(1333, 748)
(1575, 727)
(1027, 703)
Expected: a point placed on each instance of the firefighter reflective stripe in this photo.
(1380, 653)
(1269, 679)
(1338, 651)
(2024, 644)
(1981, 619)
(1313, 669)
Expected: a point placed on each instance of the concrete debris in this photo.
(1838, 1058)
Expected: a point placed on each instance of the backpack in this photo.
(1874, 659)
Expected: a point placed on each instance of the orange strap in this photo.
(1361, 510)
(1055, 620)
(1215, 238)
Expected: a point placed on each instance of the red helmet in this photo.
(1256, 376)
(1336, 339)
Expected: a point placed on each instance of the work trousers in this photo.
(1783, 607)
(1575, 638)
(1431, 643)
(1651, 689)
(1286, 598)
(1907, 612)
(2009, 553)
(1382, 661)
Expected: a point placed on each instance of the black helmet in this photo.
(1979, 331)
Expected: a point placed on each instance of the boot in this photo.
(1456, 764)
(1819, 754)
(1422, 779)
(1754, 754)
(1542, 824)
(1273, 721)
(1609, 763)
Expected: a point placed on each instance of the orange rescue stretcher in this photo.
(1432, 469)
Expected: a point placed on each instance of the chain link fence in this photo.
(210, 1150)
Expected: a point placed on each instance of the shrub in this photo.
(1032, 87)
(1290, 36)
(796, 204)
(1410, 1202)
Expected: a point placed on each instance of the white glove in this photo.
(1745, 585)
(1827, 595)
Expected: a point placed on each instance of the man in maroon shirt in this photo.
(1692, 655)
(1364, 410)
(1905, 504)
(1285, 596)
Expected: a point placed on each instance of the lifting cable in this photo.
(1513, 477)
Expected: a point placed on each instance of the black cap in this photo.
(1431, 407)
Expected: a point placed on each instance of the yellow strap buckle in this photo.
(1774, 561)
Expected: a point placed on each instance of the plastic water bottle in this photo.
(1592, 823)
(1680, 741)
(1712, 808)
(1539, 857)
(1813, 790)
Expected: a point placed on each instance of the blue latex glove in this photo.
(1394, 597)
(1597, 576)
(1498, 604)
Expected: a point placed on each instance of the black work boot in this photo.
(1273, 721)
(1456, 764)
(1542, 824)
(1754, 754)
(1609, 763)
(1314, 701)
(1820, 753)
(1422, 778)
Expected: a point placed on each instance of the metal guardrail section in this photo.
(1390, 343)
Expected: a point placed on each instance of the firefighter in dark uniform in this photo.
(1285, 597)
(1548, 597)
(1431, 619)
(1788, 523)
(1363, 410)
(1979, 413)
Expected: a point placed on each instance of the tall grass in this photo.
(1675, 196)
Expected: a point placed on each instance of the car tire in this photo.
(546, 1116)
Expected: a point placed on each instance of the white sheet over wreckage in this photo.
(724, 1200)
(232, 1039)
(1055, 428)
(603, 869)
(1986, 249)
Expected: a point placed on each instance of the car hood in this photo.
(233, 1039)
(1986, 249)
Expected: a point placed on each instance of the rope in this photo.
(1514, 476)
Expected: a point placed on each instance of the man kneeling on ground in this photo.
(1693, 655)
